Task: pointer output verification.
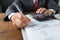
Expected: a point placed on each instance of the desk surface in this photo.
(8, 31)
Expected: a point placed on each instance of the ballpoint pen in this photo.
(19, 9)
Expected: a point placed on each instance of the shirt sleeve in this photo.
(10, 15)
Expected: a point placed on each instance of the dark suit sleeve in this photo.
(0, 9)
(51, 4)
(12, 9)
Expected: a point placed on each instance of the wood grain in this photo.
(8, 31)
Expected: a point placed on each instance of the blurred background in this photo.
(5, 3)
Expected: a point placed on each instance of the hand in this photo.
(44, 11)
(19, 20)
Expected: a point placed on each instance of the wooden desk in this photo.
(8, 31)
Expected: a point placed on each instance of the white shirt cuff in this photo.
(53, 10)
(10, 15)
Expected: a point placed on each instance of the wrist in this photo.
(9, 17)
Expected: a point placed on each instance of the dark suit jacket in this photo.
(27, 5)
(0, 9)
(5, 3)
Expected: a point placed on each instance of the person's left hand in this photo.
(44, 11)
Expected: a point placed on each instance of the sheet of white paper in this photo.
(45, 30)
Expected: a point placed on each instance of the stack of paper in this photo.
(45, 30)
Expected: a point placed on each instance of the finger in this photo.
(17, 22)
(46, 13)
(23, 18)
(27, 20)
(20, 24)
(39, 10)
(13, 20)
(24, 25)
(43, 10)
(14, 24)
(50, 12)
(18, 15)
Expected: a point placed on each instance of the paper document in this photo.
(45, 30)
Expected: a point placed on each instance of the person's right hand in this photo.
(19, 20)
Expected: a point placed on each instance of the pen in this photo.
(19, 9)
